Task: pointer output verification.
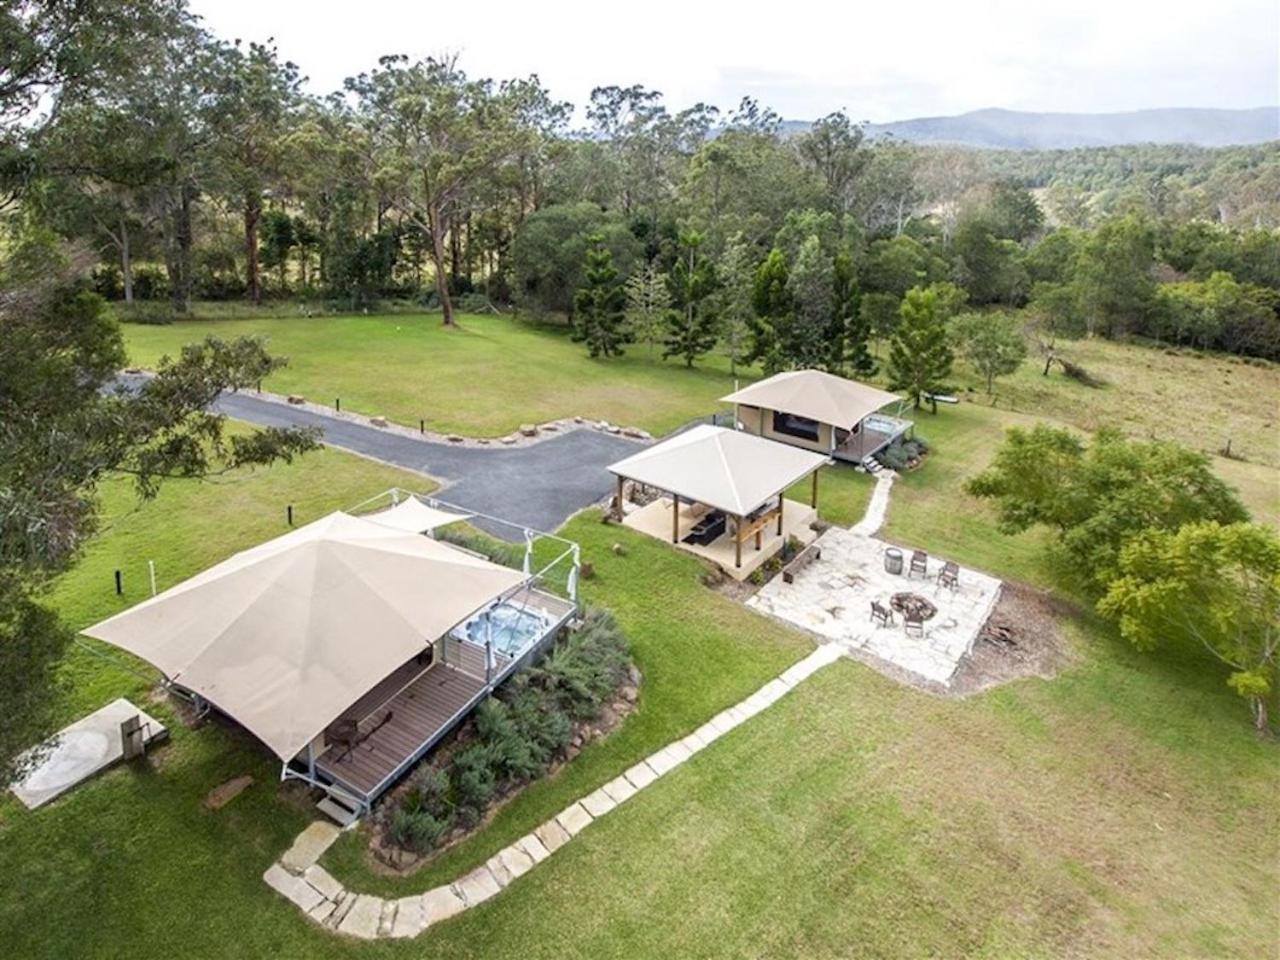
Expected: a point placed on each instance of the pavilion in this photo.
(720, 489)
(819, 411)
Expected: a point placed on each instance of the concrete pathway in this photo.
(535, 484)
(878, 505)
(298, 876)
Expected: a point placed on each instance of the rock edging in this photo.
(298, 876)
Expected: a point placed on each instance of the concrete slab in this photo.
(294, 888)
(620, 789)
(309, 846)
(641, 775)
(552, 835)
(81, 750)
(410, 918)
(363, 918)
(598, 803)
(573, 818)
(441, 904)
(324, 882)
(517, 862)
(535, 848)
(478, 886)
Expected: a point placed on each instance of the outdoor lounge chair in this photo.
(707, 529)
(912, 626)
(881, 614)
(919, 564)
(949, 576)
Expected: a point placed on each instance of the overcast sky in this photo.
(806, 58)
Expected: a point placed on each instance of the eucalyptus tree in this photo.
(833, 147)
(254, 95)
(736, 272)
(433, 138)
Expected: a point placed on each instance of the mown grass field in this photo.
(483, 379)
(1122, 809)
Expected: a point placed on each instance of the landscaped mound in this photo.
(534, 721)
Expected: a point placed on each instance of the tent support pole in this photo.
(621, 481)
(737, 541)
(813, 498)
(781, 501)
(675, 518)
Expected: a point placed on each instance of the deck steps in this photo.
(871, 465)
(337, 810)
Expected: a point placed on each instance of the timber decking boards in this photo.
(417, 713)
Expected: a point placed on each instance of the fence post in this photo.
(289, 514)
(151, 570)
(119, 584)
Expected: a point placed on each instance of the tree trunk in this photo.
(437, 257)
(126, 262)
(252, 275)
(1260, 722)
(179, 259)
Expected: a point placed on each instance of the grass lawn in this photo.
(1123, 809)
(484, 379)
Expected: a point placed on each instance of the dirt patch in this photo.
(1022, 638)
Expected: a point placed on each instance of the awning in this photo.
(287, 635)
(819, 396)
(726, 469)
(414, 516)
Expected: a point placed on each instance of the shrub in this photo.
(545, 728)
(158, 313)
(511, 752)
(507, 554)
(588, 666)
(416, 830)
(474, 782)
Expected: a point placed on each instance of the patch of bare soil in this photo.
(224, 793)
(1021, 638)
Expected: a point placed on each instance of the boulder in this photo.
(509, 440)
(378, 421)
(528, 430)
(635, 433)
(454, 438)
(296, 399)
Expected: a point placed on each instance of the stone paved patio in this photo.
(832, 598)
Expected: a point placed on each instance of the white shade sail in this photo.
(285, 636)
(414, 516)
(816, 395)
(727, 469)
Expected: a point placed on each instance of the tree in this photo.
(878, 314)
(434, 136)
(774, 313)
(63, 433)
(812, 288)
(1212, 584)
(832, 146)
(850, 329)
(648, 300)
(550, 247)
(920, 354)
(599, 317)
(254, 95)
(1113, 275)
(736, 271)
(279, 237)
(691, 325)
(1097, 498)
(992, 343)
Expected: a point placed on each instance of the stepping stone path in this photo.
(298, 877)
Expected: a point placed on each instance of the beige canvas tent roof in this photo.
(285, 636)
(414, 516)
(727, 469)
(817, 395)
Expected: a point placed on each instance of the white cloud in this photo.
(806, 58)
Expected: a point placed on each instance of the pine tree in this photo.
(599, 320)
(812, 288)
(850, 335)
(919, 354)
(648, 301)
(736, 274)
(691, 326)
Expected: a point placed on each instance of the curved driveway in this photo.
(538, 485)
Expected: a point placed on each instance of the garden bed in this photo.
(533, 725)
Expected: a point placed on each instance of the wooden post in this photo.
(737, 541)
(781, 501)
(621, 481)
(675, 518)
(813, 500)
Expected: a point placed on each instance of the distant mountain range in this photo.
(1017, 130)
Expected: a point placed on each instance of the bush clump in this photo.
(515, 736)
(903, 452)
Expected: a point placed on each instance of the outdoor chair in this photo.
(919, 563)
(949, 576)
(707, 529)
(881, 614)
(912, 626)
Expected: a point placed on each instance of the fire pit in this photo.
(912, 606)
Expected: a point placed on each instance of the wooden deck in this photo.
(403, 713)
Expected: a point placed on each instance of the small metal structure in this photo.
(893, 561)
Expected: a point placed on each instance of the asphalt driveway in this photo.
(538, 485)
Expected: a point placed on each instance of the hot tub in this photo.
(510, 628)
